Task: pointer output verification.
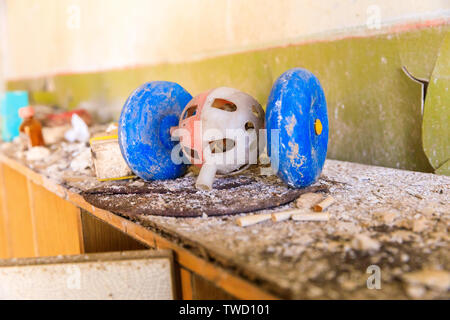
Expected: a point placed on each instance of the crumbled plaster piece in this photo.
(347, 227)
(440, 236)
(348, 284)
(137, 183)
(435, 279)
(37, 153)
(401, 236)
(79, 131)
(416, 225)
(315, 292)
(111, 127)
(420, 225)
(415, 291)
(428, 211)
(404, 257)
(404, 223)
(82, 161)
(54, 135)
(386, 217)
(364, 242)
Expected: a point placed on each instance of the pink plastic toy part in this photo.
(190, 120)
(26, 112)
(219, 132)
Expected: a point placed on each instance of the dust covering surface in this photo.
(392, 219)
(393, 222)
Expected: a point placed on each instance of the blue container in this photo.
(10, 102)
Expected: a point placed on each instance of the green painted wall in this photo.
(436, 118)
(374, 108)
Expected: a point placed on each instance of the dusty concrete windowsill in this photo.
(392, 219)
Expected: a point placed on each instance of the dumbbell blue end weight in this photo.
(297, 127)
(144, 129)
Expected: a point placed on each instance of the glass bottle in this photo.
(31, 127)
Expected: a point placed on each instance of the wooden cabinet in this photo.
(16, 214)
(39, 218)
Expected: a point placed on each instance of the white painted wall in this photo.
(2, 45)
(56, 36)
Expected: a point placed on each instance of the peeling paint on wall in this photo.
(436, 118)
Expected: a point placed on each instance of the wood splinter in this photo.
(253, 219)
(321, 206)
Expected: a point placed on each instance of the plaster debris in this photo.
(369, 202)
(112, 127)
(37, 153)
(420, 225)
(57, 161)
(401, 236)
(416, 225)
(434, 279)
(386, 217)
(54, 135)
(428, 211)
(79, 131)
(278, 258)
(300, 260)
(349, 228)
(137, 183)
(82, 161)
(415, 291)
(364, 242)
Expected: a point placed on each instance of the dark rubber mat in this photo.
(242, 193)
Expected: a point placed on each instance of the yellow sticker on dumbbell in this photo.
(318, 126)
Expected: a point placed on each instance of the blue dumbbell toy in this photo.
(297, 111)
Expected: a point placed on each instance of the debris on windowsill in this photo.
(365, 243)
(386, 217)
(65, 163)
(37, 153)
(79, 130)
(374, 220)
(418, 282)
(300, 257)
